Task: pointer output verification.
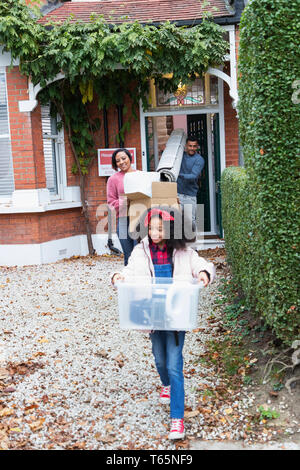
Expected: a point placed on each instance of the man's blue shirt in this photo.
(190, 170)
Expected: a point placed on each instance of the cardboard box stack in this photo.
(144, 190)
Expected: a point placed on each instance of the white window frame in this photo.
(38, 200)
(60, 163)
(6, 198)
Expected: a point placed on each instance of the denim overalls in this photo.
(167, 350)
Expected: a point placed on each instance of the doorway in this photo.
(205, 127)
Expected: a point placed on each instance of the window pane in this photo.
(6, 168)
(185, 95)
(158, 131)
(214, 99)
(49, 143)
(3, 107)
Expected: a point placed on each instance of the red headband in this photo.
(164, 215)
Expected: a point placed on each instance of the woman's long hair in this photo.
(174, 229)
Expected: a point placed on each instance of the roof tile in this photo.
(116, 11)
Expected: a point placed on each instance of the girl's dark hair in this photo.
(113, 157)
(174, 229)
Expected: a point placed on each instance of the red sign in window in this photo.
(104, 161)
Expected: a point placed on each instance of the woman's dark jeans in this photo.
(127, 243)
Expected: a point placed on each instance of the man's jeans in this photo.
(189, 206)
(169, 363)
(127, 243)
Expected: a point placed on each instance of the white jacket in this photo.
(186, 263)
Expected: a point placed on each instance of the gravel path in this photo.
(81, 381)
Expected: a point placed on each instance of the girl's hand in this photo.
(117, 277)
(203, 277)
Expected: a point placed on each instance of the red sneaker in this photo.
(165, 396)
(177, 429)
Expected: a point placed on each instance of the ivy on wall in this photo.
(106, 62)
(104, 58)
(97, 49)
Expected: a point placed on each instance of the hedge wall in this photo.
(238, 223)
(264, 198)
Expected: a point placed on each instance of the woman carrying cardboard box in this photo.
(121, 162)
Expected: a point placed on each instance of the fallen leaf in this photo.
(3, 373)
(102, 353)
(120, 360)
(104, 439)
(4, 444)
(43, 340)
(9, 390)
(205, 410)
(31, 407)
(273, 394)
(79, 445)
(39, 353)
(191, 414)
(6, 412)
(109, 427)
(15, 430)
(182, 444)
(252, 361)
(37, 425)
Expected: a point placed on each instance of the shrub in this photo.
(260, 202)
(257, 270)
(237, 215)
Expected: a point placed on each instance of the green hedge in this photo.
(237, 212)
(261, 202)
(267, 279)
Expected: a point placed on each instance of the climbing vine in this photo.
(103, 62)
(86, 52)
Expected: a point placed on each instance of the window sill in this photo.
(52, 206)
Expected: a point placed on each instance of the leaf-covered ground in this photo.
(70, 378)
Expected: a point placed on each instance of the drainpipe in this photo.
(120, 122)
(105, 125)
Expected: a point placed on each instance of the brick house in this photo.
(40, 210)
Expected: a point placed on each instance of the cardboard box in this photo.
(138, 184)
(162, 194)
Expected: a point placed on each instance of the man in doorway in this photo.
(187, 183)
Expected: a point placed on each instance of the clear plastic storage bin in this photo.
(158, 304)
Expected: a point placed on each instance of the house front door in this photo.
(197, 127)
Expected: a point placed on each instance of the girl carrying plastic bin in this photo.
(162, 254)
